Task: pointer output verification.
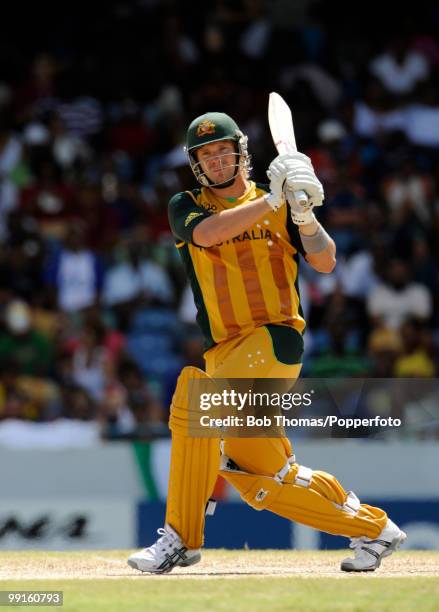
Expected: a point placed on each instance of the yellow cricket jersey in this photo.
(244, 282)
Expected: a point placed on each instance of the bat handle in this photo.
(301, 197)
(283, 148)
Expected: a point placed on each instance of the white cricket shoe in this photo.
(369, 553)
(165, 554)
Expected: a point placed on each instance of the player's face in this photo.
(218, 160)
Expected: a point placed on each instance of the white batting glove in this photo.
(301, 175)
(277, 173)
(301, 214)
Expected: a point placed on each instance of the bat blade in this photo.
(281, 125)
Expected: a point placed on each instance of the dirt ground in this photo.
(214, 564)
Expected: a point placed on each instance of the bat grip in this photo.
(301, 197)
(284, 148)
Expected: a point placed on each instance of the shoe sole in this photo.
(192, 561)
(394, 545)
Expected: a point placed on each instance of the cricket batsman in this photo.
(240, 243)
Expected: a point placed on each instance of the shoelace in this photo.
(164, 540)
(356, 542)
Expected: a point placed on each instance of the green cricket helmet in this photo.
(213, 127)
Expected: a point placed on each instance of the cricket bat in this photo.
(282, 131)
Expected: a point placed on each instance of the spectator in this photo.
(68, 149)
(20, 269)
(385, 345)
(408, 192)
(143, 404)
(12, 173)
(93, 366)
(346, 211)
(27, 359)
(31, 351)
(414, 360)
(49, 200)
(136, 279)
(397, 298)
(38, 90)
(400, 68)
(77, 404)
(338, 361)
(74, 274)
(115, 413)
(15, 404)
(339, 355)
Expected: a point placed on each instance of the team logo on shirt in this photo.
(208, 206)
(191, 216)
(259, 234)
(205, 127)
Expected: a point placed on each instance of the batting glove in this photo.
(277, 173)
(301, 177)
(301, 214)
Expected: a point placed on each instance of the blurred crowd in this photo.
(96, 315)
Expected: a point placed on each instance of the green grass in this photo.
(245, 594)
(102, 581)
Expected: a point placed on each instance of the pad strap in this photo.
(303, 476)
(352, 503)
(210, 507)
(280, 475)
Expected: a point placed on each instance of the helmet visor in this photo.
(216, 169)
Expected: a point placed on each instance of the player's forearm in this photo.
(229, 223)
(324, 261)
(321, 259)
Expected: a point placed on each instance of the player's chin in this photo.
(221, 177)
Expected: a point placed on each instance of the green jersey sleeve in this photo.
(184, 216)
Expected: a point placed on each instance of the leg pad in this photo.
(194, 466)
(319, 500)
